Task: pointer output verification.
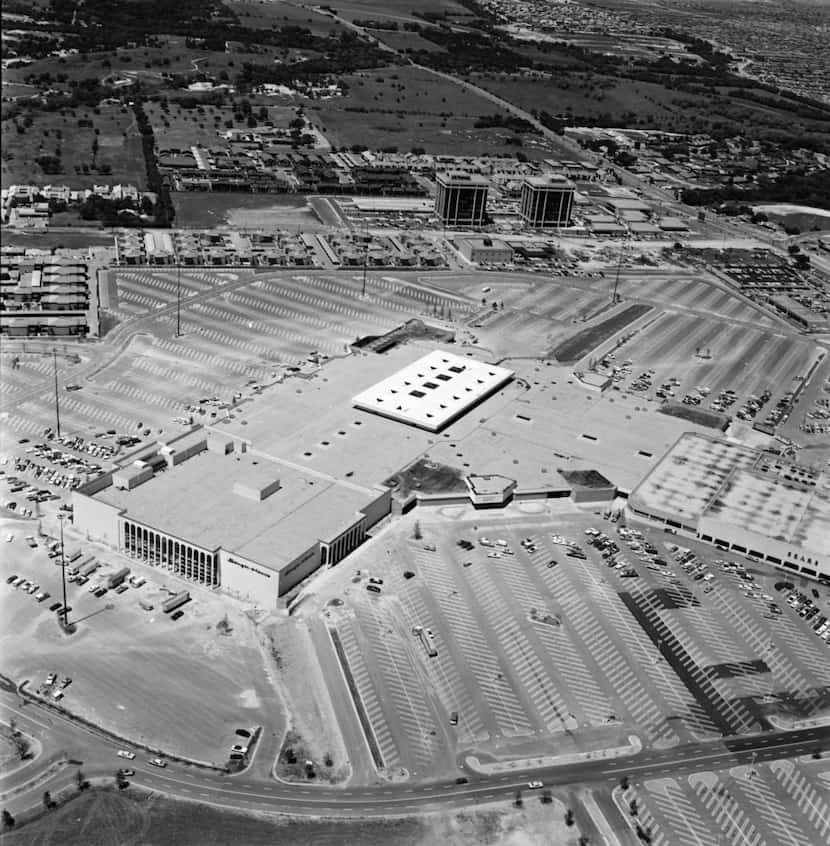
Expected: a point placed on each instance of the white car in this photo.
(123, 753)
(242, 750)
(535, 785)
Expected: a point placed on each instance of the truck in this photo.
(76, 567)
(73, 555)
(175, 601)
(115, 579)
(89, 567)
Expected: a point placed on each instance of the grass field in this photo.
(255, 14)
(584, 96)
(408, 107)
(119, 146)
(107, 818)
(570, 351)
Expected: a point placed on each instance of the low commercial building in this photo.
(742, 499)
(485, 250)
(47, 295)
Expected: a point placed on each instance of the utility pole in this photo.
(365, 257)
(57, 405)
(65, 611)
(617, 279)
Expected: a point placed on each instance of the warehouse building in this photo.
(741, 499)
(546, 201)
(461, 199)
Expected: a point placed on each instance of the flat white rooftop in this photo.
(434, 390)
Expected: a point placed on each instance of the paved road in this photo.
(62, 736)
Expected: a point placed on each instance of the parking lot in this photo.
(762, 805)
(564, 656)
(176, 685)
(253, 328)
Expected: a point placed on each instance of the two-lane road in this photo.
(245, 792)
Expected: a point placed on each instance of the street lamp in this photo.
(57, 408)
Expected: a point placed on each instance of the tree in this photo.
(546, 797)
(121, 780)
(416, 531)
(569, 817)
(8, 819)
(82, 782)
(632, 807)
(624, 782)
(47, 800)
(518, 801)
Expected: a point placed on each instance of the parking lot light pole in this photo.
(178, 299)
(63, 576)
(57, 406)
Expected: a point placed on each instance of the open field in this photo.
(408, 107)
(179, 686)
(401, 10)
(549, 659)
(108, 818)
(114, 128)
(255, 14)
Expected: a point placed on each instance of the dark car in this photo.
(54, 606)
(177, 615)
(11, 579)
(373, 588)
(462, 780)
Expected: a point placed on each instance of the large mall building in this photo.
(291, 482)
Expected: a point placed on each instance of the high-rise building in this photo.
(461, 199)
(547, 200)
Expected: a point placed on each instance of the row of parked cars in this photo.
(21, 583)
(810, 611)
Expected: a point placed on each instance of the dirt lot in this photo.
(107, 818)
(246, 211)
(180, 686)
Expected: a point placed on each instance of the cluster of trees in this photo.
(810, 189)
(499, 121)
(343, 53)
(164, 212)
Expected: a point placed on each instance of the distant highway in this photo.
(242, 792)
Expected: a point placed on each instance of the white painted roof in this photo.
(433, 390)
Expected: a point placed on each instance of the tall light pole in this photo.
(57, 406)
(617, 279)
(178, 299)
(65, 610)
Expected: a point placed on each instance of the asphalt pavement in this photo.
(64, 738)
